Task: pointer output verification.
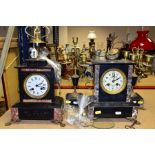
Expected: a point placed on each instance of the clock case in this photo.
(119, 105)
(100, 67)
(35, 67)
(38, 111)
(49, 107)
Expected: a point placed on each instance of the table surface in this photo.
(146, 117)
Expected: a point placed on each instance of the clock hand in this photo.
(115, 79)
(31, 89)
(108, 84)
(113, 74)
(117, 84)
(37, 85)
(42, 88)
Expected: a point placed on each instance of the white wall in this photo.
(63, 35)
(101, 32)
(67, 32)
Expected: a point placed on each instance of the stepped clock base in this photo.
(38, 111)
(115, 109)
(101, 111)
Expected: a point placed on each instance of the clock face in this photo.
(36, 86)
(113, 81)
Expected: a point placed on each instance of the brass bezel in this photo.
(27, 92)
(115, 91)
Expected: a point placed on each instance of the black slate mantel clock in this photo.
(36, 84)
(113, 89)
(36, 89)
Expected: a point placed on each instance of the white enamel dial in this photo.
(36, 85)
(113, 81)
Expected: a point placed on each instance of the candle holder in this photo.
(83, 58)
(137, 56)
(126, 55)
(75, 51)
(72, 98)
(75, 80)
(75, 41)
(92, 37)
(148, 63)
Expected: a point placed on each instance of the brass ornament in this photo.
(36, 37)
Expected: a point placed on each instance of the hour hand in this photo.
(116, 79)
(108, 84)
(117, 84)
(42, 88)
(31, 89)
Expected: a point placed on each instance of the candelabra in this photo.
(92, 37)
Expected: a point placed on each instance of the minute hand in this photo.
(37, 85)
(115, 79)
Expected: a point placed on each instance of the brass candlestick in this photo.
(92, 37)
(75, 51)
(137, 56)
(83, 58)
(74, 97)
(75, 80)
(126, 55)
(75, 41)
(148, 63)
(133, 57)
(149, 59)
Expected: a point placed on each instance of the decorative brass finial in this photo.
(36, 37)
(75, 41)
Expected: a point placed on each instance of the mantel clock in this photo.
(113, 90)
(113, 80)
(36, 86)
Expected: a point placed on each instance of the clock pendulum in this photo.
(36, 87)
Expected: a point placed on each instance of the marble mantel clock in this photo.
(113, 89)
